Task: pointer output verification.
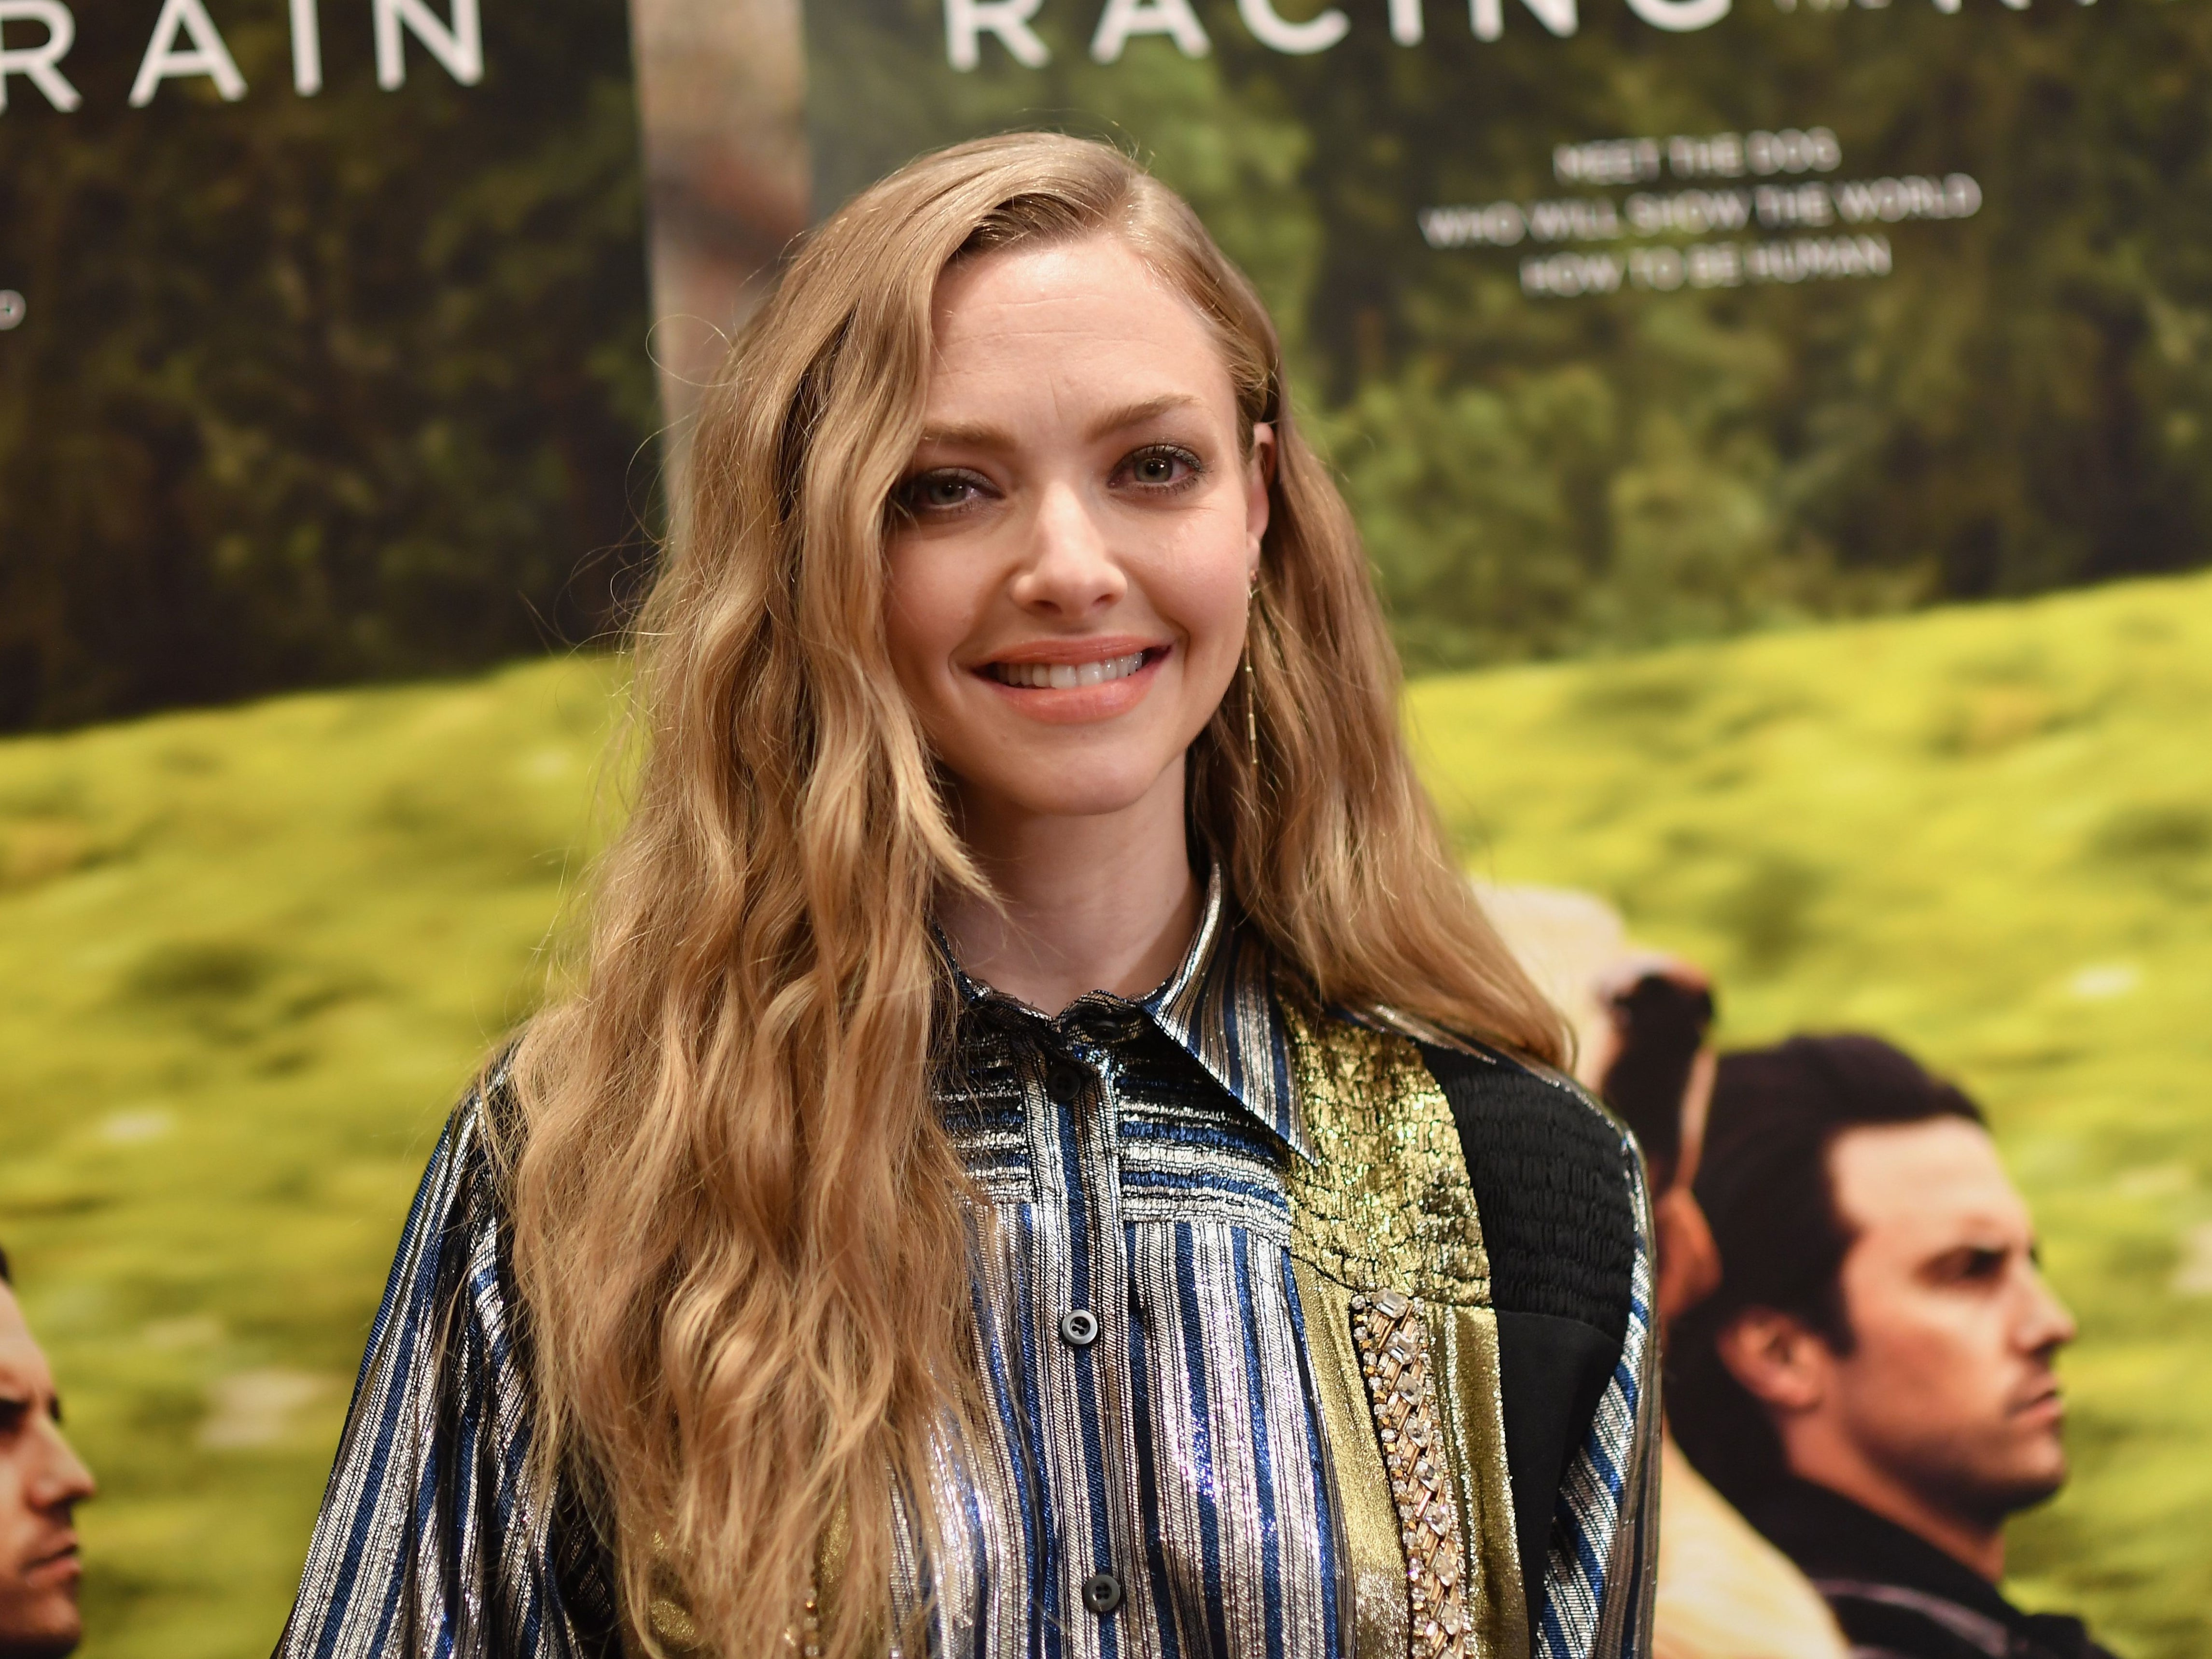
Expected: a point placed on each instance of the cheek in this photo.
(1929, 1358)
(1200, 584)
(927, 615)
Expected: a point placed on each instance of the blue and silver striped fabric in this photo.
(1587, 1610)
(433, 1539)
(1133, 1154)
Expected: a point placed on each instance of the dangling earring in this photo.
(1251, 692)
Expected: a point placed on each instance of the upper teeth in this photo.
(1067, 676)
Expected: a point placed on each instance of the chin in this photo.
(48, 1638)
(1081, 791)
(2027, 1494)
(1995, 1494)
(2041, 1482)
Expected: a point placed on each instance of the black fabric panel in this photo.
(1551, 1183)
(1552, 1186)
(1552, 1372)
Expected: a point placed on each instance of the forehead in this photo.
(1925, 1182)
(1070, 315)
(22, 1367)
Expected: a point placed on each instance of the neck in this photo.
(1974, 1542)
(1105, 902)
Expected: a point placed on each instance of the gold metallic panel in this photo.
(676, 1633)
(1375, 1562)
(1385, 1204)
(1385, 1212)
(1475, 1417)
(668, 1615)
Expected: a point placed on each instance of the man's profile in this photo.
(41, 1483)
(1873, 1383)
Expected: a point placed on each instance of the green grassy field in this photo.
(247, 958)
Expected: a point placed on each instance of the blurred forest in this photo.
(2025, 404)
(311, 390)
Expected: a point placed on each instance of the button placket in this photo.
(1082, 1083)
(1063, 1081)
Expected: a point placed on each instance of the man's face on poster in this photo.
(41, 1482)
(1946, 1385)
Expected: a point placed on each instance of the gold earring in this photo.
(1251, 694)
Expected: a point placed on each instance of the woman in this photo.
(1048, 1157)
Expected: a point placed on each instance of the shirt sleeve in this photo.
(436, 1535)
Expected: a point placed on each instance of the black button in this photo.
(1079, 1327)
(1109, 1025)
(1065, 1082)
(1102, 1593)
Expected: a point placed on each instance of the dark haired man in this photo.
(41, 1482)
(1871, 1382)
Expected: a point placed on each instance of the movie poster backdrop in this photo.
(1749, 362)
(322, 332)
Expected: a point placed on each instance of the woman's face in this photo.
(1078, 533)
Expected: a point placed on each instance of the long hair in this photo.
(740, 1230)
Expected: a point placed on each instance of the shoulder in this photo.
(464, 1168)
(455, 1244)
(1556, 1183)
(1722, 1588)
(1558, 1190)
(439, 1527)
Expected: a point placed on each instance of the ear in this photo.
(1689, 1261)
(1780, 1361)
(1259, 474)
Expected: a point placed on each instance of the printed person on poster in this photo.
(1873, 1381)
(42, 1480)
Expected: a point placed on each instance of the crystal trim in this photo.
(1394, 1348)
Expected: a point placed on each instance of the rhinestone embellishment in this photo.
(1393, 1345)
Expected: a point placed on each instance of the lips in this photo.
(1065, 676)
(2047, 1405)
(1075, 681)
(60, 1565)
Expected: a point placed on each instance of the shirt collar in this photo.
(1829, 1537)
(1218, 1006)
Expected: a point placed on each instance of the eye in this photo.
(14, 1414)
(1971, 1265)
(1161, 466)
(929, 494)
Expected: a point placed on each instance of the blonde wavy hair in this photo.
(740, 1231)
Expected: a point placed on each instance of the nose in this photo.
(2046, 1325)
(1070, 572)
(60, 1480)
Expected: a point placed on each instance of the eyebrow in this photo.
(1138, 414)
(983, 435)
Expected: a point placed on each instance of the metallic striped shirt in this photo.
(1156, 1475)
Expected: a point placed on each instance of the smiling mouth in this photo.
(1067, 676)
